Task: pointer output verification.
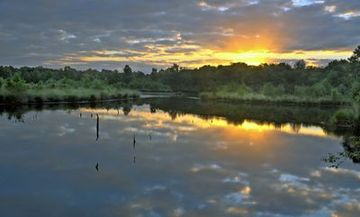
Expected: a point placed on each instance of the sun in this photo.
(254, 57)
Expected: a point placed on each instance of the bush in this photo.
(15, 84)
(269, 90)
(355, 91)
(2, 82)
(235, 89)
(344, 117)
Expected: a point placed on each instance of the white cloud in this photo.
(199, 167)
(330, 8)
(65, 36)
(348, 15)
(301, 3)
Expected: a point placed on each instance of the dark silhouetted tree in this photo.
(301, 64)
(355, 58)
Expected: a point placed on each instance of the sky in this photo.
(157, 33)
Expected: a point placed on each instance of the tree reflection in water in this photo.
(233, 113)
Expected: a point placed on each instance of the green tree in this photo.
(355, 91)
(128, 75)
(270, 90)
(2, 82)
(16, 83)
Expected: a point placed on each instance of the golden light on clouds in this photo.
(248, 45)
(192, 34)
(259, 45)
(200, 57)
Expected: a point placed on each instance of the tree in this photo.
(69, 69)
(355, 91)
(127, 74)
(16, 83)
(301, 64)
(2, 82)
(355, 58)
(174, 68)
(269, 90)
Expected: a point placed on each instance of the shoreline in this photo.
(65, 96)
(339, 124)
(286, 100)
(69, 102)
(133, 94)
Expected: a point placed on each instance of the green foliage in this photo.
(344, 117)
(352, 151)
(15, 89)
(336, 95)
(127, 74)
(320, 89)
(238, 89)
(270, 90)
(40, 95)
(355, 91)
(15, 83)
(2, 82)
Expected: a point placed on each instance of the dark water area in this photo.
(173, 157)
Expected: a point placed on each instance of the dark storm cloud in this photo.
(47, 32)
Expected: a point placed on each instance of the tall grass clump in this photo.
(15, 90)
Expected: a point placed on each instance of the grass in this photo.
(261, 98)
(71, 95)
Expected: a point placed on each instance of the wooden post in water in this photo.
(97, 127)
(134, 143)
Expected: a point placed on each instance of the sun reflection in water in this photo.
(189, 122)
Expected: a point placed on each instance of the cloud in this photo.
(199, 167)
(301, 3)
(348, 15)
(191, 32)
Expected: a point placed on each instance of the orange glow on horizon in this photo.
(202, 57)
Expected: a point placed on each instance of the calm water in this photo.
(189, 159)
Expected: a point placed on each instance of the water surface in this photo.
(172, 157)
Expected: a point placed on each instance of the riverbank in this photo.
(283, 99)
(66, 95)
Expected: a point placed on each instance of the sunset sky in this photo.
(156, 33)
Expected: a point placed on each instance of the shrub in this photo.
(344, 117)
(16, 84)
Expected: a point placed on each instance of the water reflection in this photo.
(196, 159)
(188, 122)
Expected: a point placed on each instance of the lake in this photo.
(173, 157)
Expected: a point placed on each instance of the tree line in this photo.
(339, 79)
